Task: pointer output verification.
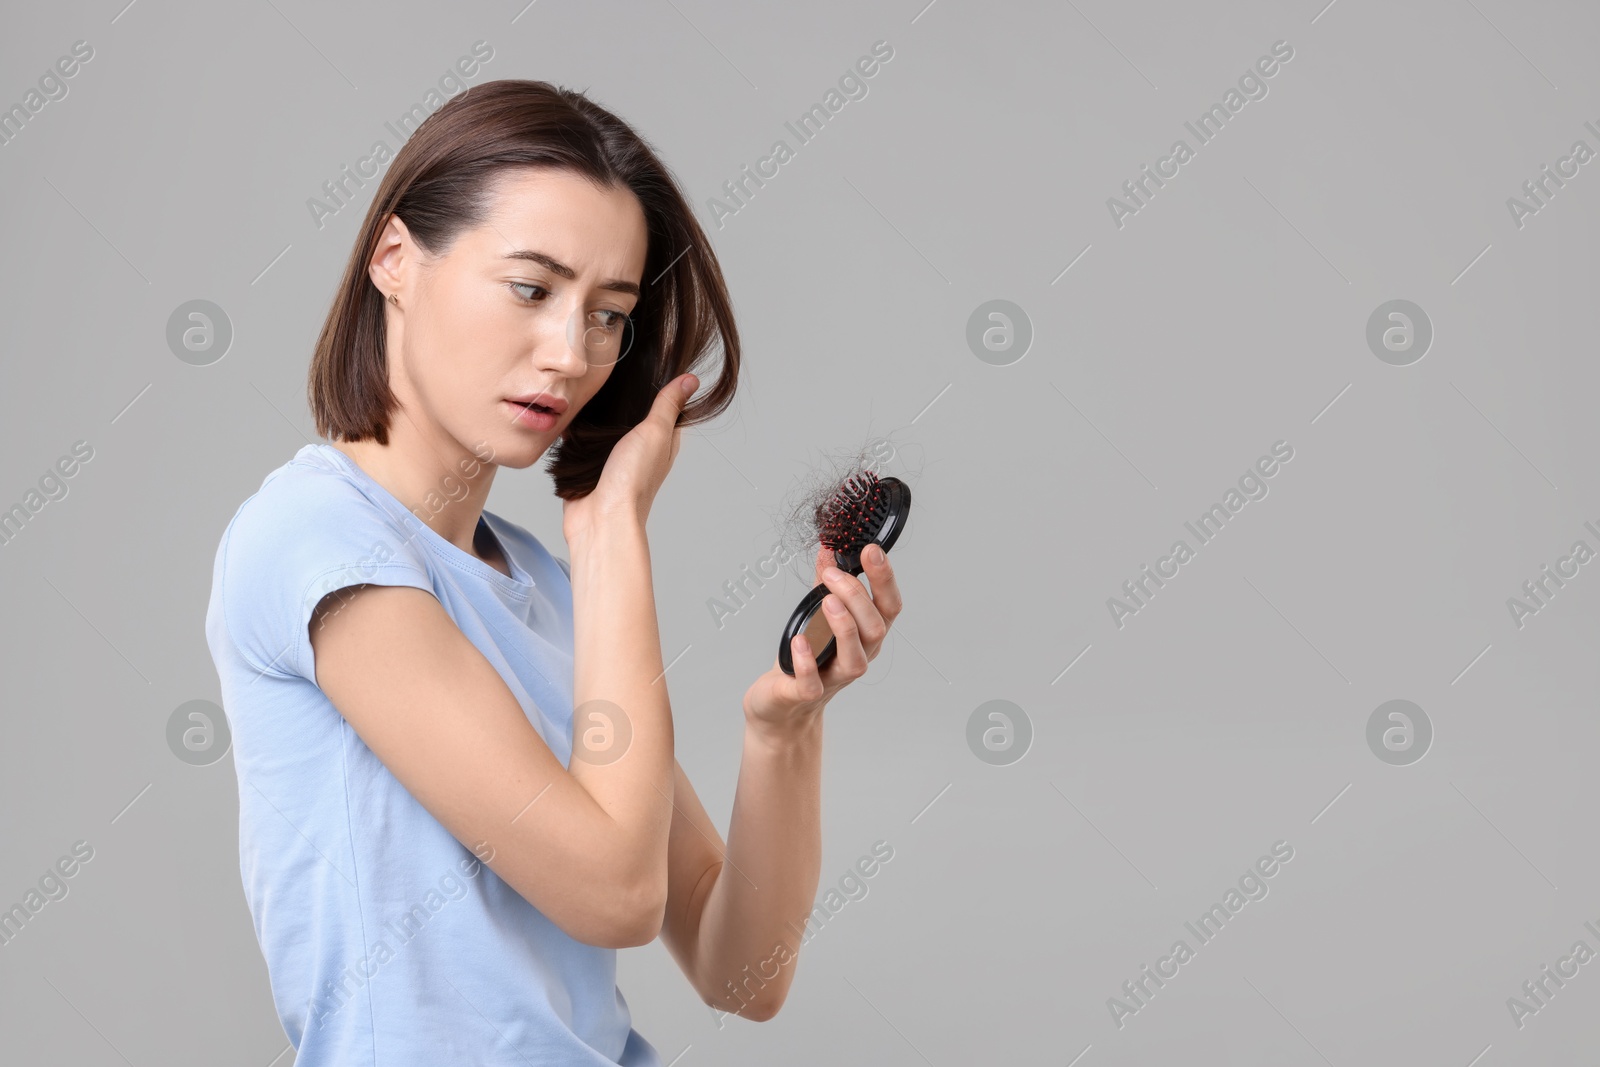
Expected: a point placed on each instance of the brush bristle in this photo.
(855, 514)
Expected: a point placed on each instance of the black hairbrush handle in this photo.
(797, 624)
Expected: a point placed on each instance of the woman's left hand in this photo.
(779, 700)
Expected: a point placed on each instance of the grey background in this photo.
(1228, 314)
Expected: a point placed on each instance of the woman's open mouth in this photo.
(533, 416)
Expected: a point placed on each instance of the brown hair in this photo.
(440, 184)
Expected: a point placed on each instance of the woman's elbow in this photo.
(762, 1008)
(641, 926)
(632, 918)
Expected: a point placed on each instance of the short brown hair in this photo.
(440, 184)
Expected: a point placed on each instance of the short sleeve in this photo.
(566, 568)
(304, 535)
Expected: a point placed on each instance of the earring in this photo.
(393, 299)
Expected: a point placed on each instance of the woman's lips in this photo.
(532, 418)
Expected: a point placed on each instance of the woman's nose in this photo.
(561, 349)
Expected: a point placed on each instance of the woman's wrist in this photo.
(799, 730)
(583, 537)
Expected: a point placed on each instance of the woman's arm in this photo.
(586, 845)
(617, 661)
(736, 913)
(442, 720)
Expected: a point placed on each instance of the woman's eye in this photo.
(517, 288)
(611, 320)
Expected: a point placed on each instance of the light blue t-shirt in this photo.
(387, 943)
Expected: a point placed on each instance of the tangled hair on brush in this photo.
(799, 520)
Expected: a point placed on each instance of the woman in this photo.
(441, 858)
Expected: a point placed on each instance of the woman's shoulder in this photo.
(311, 517)
(310, 529)
(309, 498)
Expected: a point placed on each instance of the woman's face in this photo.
(532, 301)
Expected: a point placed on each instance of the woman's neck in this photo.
(443, 485)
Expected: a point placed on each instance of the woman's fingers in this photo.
(672, 398)
(860, 611)
(807, 681)
(671, 401)
(825, 559)
(858, 618)
(885, 590)
(849, 657)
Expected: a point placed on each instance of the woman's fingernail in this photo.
(832, 606)
(689, 382)
(833, 574)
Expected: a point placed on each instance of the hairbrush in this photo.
(865, 510)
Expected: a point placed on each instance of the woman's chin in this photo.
(520, 454)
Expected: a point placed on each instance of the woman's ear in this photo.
(386, 267)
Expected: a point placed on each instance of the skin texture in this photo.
(619, 852)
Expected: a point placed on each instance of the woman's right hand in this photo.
(636, 467)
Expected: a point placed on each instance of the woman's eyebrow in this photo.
(614, 284)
